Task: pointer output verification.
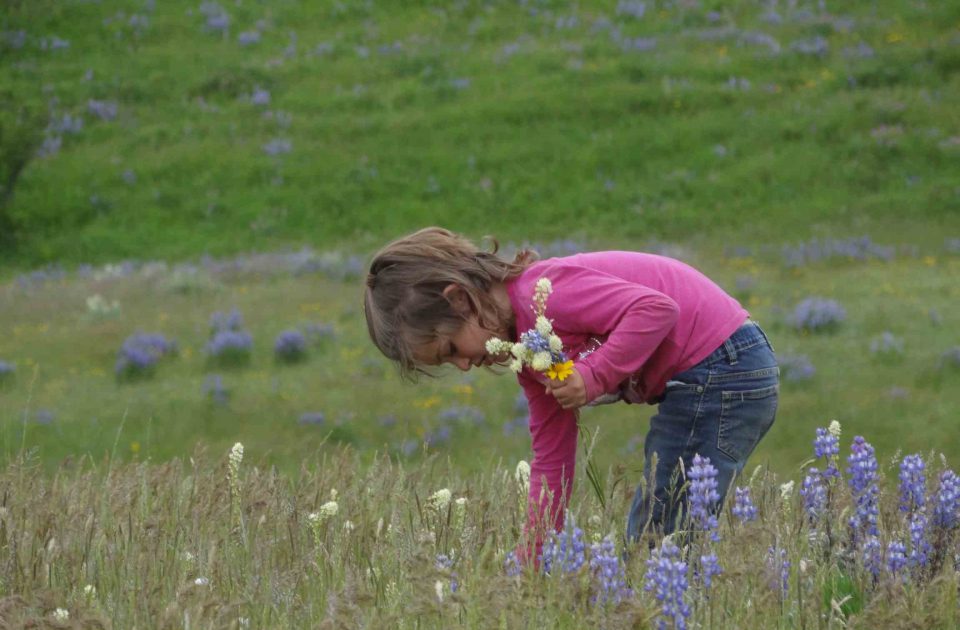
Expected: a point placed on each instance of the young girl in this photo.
(641, 328)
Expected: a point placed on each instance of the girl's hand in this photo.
(570, 392)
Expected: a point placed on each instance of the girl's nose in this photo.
(463, 363)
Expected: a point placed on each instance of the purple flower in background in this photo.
(886, 345)
(913, 484)
(312, 417)
(709, 569)
(946, 507)
(104, 110)
(248, 38)
(564, 552)
(872, 556)
(778, 570)
(66, 124)
(631, 8)
(214, 389)
(445, 563)
(218, 21)
(816, 314)
(290, 346)
(919, 545)
(44, 416)
(863, 485)
(317, 333)
(950, 358)
(14, 39)
(7, 370)
(140, 352)
(220, 321)
(814, 494)
(278, 146)
(703, 496)
(743, 507)
(517, 424)
(230, 347)
(511, 564)
(896, 557)
(666, 578)
(462, 413)
(817, 46)
(54, 43)
(638, 44)
(440, 435)
(260, 96)
(50, 146)
(608, 573)
(827, 446)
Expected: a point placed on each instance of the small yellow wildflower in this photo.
(560, 371)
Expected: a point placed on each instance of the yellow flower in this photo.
(560, 371)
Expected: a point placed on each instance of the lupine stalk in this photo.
(912, 484)
(863, 484)
(743, 507)
(666, 578)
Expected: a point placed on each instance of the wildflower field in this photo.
(195, 431)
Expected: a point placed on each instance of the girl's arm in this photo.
(635, 318)
(553, 434)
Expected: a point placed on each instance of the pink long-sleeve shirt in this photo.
(656, 316)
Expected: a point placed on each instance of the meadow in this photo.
(191, 191)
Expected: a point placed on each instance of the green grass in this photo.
(569, 135)
(65, 363)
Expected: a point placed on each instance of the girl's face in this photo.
(465, 349)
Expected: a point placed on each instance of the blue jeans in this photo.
(720, 408)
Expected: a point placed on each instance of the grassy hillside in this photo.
(167, 129)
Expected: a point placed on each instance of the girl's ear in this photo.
(458, 299)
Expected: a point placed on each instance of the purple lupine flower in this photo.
(743, 507)
(608, 572)
(66, 124)
(950, 358)
(913, 484)
(54, 43)
(7, 369)
(511, 564)
(214, 389)
(946, 509)
(445, 563)
(919, 545)
(666, 577)
(827, 446)
(312, 417)
(248, 38)
(886, 345)
(50, 146)
(778, 570)
(290, 346)
(863, 484)
(631, 8)
(535, 342)
(703, 496)
(814, 494)
(709, 568)
(218, 20)
(140, 352)
(440, 435)
(816, 314)
(260, 96)
(896, 557)
(872, 556)
(564, 552)
(230, 346)
(220, 321)
(104, 110)
(461, 413)
(817, 46)
(44, 416)
(278, 146)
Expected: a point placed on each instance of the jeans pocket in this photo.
(745, 417)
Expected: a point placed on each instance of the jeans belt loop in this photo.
(731, 351)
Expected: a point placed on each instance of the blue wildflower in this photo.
(511, 564)
(290, 346)
(743, 507)
(214, 389)
(887, 345)
(709, 569)
(814, 494)
(778, 570)
(946, 509)
(608, 572)
(913, 484)
(826, 446)
(703, 496)
(7, 370)
(666, 578)
(230, 347)
(817, 314)
(312, 417)
(564, 552)
(445, 563)
(871, 556)
(896, 557)
(919, 545)
(140, 352)
(248, 38)
(863, 484)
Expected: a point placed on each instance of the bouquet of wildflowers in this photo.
(538, 347)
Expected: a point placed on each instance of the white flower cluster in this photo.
(539, 347)
(440, 499)
(522, 476)
(97, 307)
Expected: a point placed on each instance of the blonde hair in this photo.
(404, 302)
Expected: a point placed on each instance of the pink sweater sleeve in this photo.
(636, 319)
(553, 433)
